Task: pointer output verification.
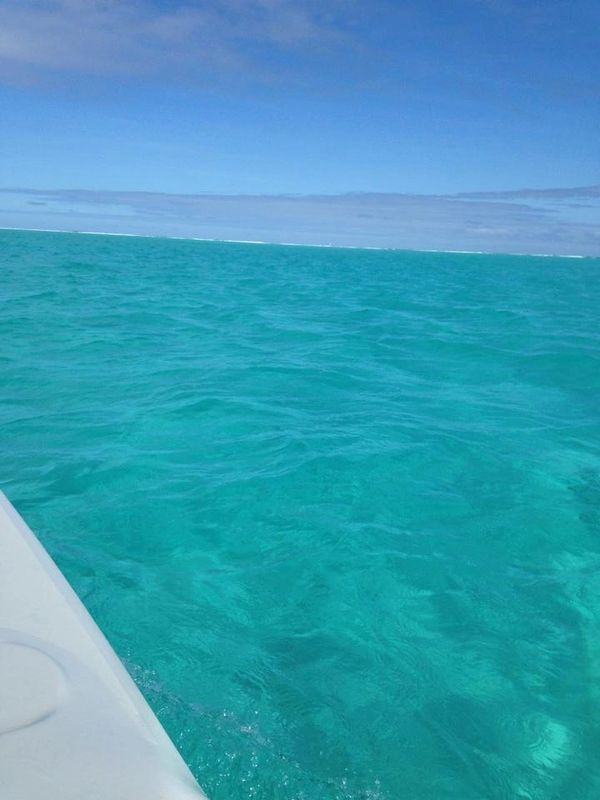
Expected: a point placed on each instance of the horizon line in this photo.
(296, 244)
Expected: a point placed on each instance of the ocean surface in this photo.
(337, 510)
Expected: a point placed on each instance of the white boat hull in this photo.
(73, 725)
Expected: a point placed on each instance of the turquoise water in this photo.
(337, 510)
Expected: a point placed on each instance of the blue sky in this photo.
(411, 102)
(275, 96)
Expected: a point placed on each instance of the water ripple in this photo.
(337, 510)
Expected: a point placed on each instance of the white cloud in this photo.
(592, 191)
(488, 223)
(102, 37)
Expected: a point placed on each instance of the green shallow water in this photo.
(338, 511)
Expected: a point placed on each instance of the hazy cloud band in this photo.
(552, 221)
